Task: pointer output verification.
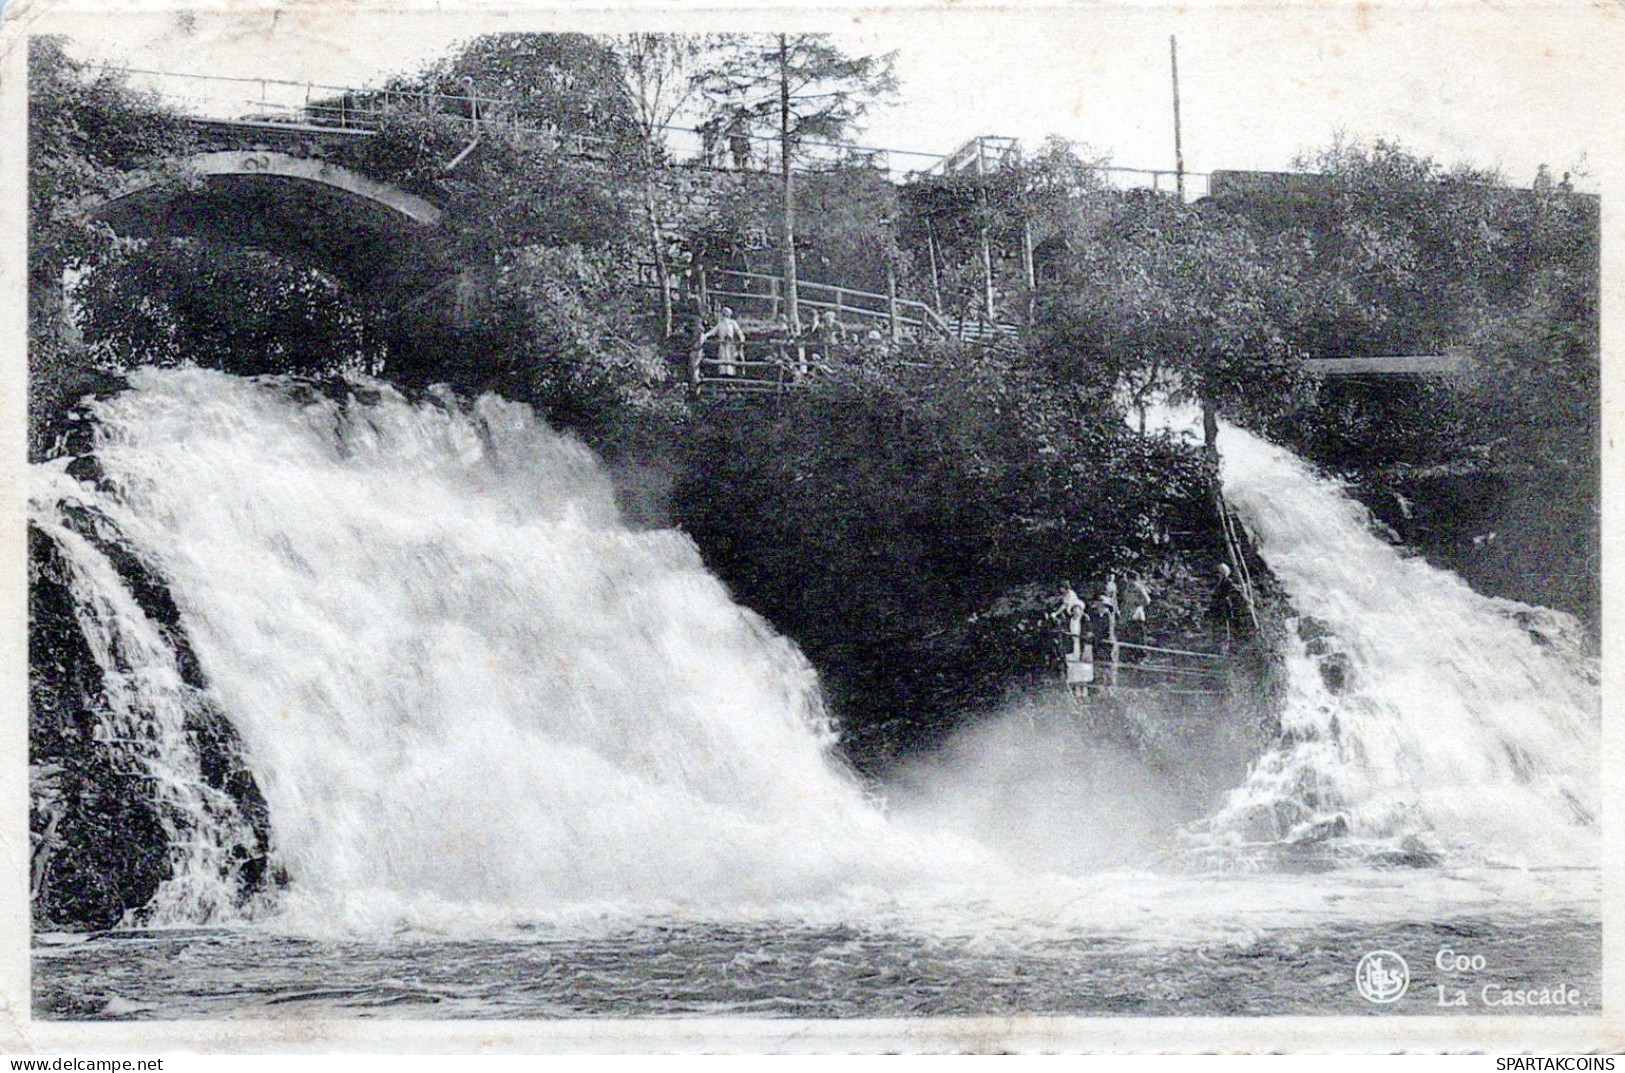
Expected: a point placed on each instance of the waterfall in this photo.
(457, 675)
(461, 683)
(150, 717)
(1418, 713)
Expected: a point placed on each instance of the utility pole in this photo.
(1179, 149)
(791, 295)
(1210, 414)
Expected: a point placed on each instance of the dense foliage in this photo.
(85, 131)
(1163, 299)
(1495, 473)
(913, 537)
(161, 304)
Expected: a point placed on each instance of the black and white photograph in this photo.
(1042, 528)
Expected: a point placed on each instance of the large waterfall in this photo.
(460, 680)
(1418, 714)
(457, 675)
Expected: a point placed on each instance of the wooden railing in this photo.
(772, 361)
(768, 364)
(899, 317)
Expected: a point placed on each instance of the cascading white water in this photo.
(146, 713)
(457, 675)
(1463, 724)
(461, 681)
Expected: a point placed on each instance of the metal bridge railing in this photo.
(229, 98)
(756, 365)
(1111, 664)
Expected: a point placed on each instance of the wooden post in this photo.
(1111, 635)
(936, 277)
(1179, 149)
(987, 264)
(698, 351)
(1027, 267)
(891, 298)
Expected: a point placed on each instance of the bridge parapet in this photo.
(1450, 364)
(253, 164)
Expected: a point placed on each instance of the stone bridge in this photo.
(371, 236)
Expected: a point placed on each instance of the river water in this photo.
(523, 761)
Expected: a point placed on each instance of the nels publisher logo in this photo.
(1382, 976)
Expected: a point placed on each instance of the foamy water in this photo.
(474, 699)
(1461, 723)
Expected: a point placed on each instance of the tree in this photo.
(660, 72)
(1160, 298)
(1411, 245)
(801, 90)
(1052, 197)
(553, 133)
(570, 83)
(84, 131)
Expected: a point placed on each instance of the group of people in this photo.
(1118, 615)
(1115, 615)
(822, 340)
(727, 139)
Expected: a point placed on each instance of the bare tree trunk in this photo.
(1029, 271)
(987, 257)
(791, 296)
(936, 277)
(987, 276)
(657, 246)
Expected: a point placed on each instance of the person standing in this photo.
(1072, 611)
(1227, 605)
(1105, 615)
(730, 339)
(1136, 601)
(831, 332)
(739, 146)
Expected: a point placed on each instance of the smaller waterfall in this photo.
(1418, 713)
(157, 726)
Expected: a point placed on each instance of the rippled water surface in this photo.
(835, 972)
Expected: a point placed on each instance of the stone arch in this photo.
(367, 233)
(263, 164)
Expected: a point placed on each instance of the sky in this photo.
(1506, 87)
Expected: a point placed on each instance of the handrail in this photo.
(1220, 656)
(877, 315)
(926, 316)
(1234, 550)
(1181, 672)
(848, 153)
(1162, 692)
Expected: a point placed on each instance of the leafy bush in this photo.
(912, 536)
